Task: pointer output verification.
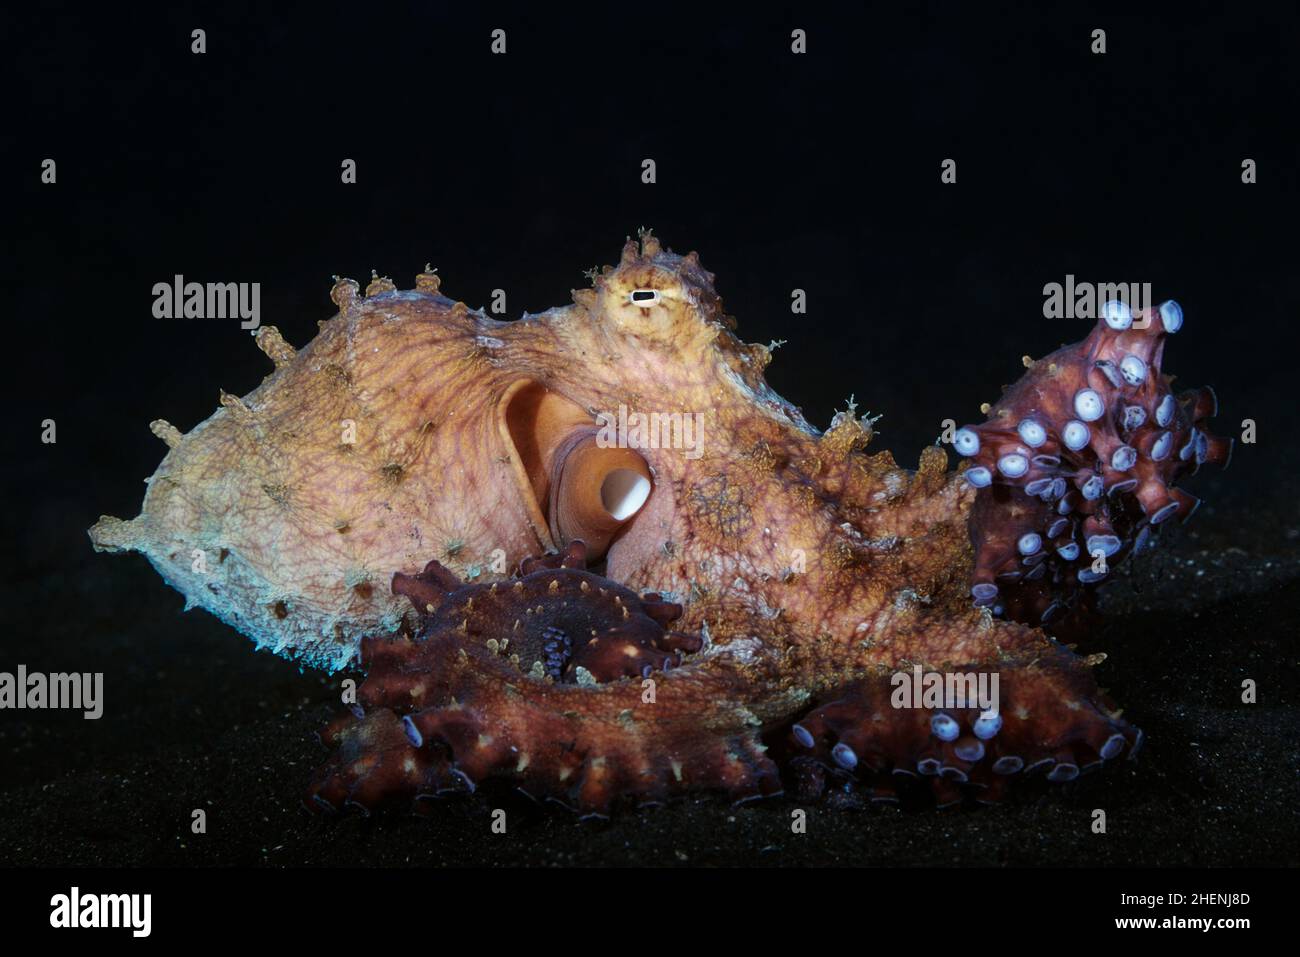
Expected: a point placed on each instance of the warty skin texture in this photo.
(807, 570)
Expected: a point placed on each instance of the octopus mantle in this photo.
(433, 494)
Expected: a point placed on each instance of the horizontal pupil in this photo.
(643, 295)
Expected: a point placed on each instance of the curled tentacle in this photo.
(1077, 465)
(559, 682)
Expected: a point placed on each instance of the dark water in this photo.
(818, 172)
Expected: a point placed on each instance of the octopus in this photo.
(591, 555)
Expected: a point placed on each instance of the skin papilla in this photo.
(432, 494)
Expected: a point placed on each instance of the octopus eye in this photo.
(644, 297)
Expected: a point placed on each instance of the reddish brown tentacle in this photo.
(427, 589)
(1077, 465)
(1051, 718)
(540, 681)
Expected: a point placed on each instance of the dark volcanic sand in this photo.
(195, 718)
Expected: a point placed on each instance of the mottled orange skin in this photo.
(808, 570)
(293, 519)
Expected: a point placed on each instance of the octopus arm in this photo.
(562, 683)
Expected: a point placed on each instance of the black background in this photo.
(520, 171)
(819, 172)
